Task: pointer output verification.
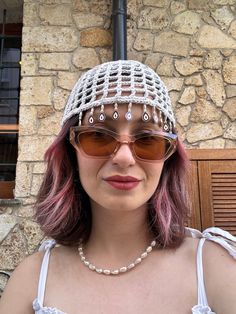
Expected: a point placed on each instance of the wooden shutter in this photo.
(213, 189)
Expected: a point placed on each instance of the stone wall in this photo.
(190, 43)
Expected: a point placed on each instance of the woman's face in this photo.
(120, 182)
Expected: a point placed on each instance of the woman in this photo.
(113, 198)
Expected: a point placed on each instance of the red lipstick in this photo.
(122, 182)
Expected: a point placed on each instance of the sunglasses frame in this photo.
(123, 139)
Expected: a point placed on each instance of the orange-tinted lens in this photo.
(151, 147)
(97, 143)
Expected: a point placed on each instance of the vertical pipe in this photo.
(119, 29)
(2, 42)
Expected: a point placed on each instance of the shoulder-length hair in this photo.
(63, 207)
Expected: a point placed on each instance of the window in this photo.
(10, 54)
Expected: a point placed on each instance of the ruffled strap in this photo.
(45, 246)
(225, 240)
(217, 235)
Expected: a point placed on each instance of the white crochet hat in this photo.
(122, 81)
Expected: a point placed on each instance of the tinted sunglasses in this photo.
(98, 142)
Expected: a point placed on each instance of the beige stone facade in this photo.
(190, 43)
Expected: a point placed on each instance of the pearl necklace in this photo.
(121, 270)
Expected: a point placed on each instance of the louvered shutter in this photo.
(212, 188)
(217, 187)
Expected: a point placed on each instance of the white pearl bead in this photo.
(149, 249)
(106, 271)
(86, 263)
(98, 270)
(115, 272)
(138, 260)
(153, 243)
(144, 255)
(82, 258)
(131, 266)
(123, 269)
(92, 267)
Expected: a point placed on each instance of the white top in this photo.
(223, 238)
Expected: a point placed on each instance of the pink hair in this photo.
(63, 207)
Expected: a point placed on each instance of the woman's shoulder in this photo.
(22, 286)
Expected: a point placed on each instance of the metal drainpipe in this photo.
(119, 29)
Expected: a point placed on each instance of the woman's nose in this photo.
(123, 156)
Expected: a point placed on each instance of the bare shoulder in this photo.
(22, 286)
(220, 277)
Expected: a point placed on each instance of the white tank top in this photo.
(223, 238)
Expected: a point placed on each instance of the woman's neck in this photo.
(117, 236)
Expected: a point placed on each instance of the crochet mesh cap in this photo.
(116, 82)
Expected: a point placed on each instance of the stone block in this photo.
(67, 80)
(224, 2)
(213, 60)
(36, 90)
(32, 148)
(49, 39)
(166, 67)
(98, 6)
(152, 60)
(201, 132)
(171, 43)
(12, 250)
(105, 54)
(7, 223)
(187, 22)
(230, 108)
(156, 3)
(55, 61)
(31, 17)
(223, 17)
(50, 125)
(39, 167)
(44, 111)
(80, 5)
(230, 90)
(86, 20)
(197, 4)
(182, 115)
(173, 83)
(153, 18)
(204, 111)
(26, 211)
(195, 80)
(23, 177)
(188, 66)
(230, 132)
(177, 7)
(143, 41)
(32, 233)
(215, 87)
(213, 144)
(230, 144)
(52, 14)
(95, 37)
(213, 38)
(188, 96)
(60, 97)
(29, 64)
(232, 29)
(28, 120)
(36, 183)
(133, 7)
(85, 58)
(229, 70)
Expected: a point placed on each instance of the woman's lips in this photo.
(122, 182)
